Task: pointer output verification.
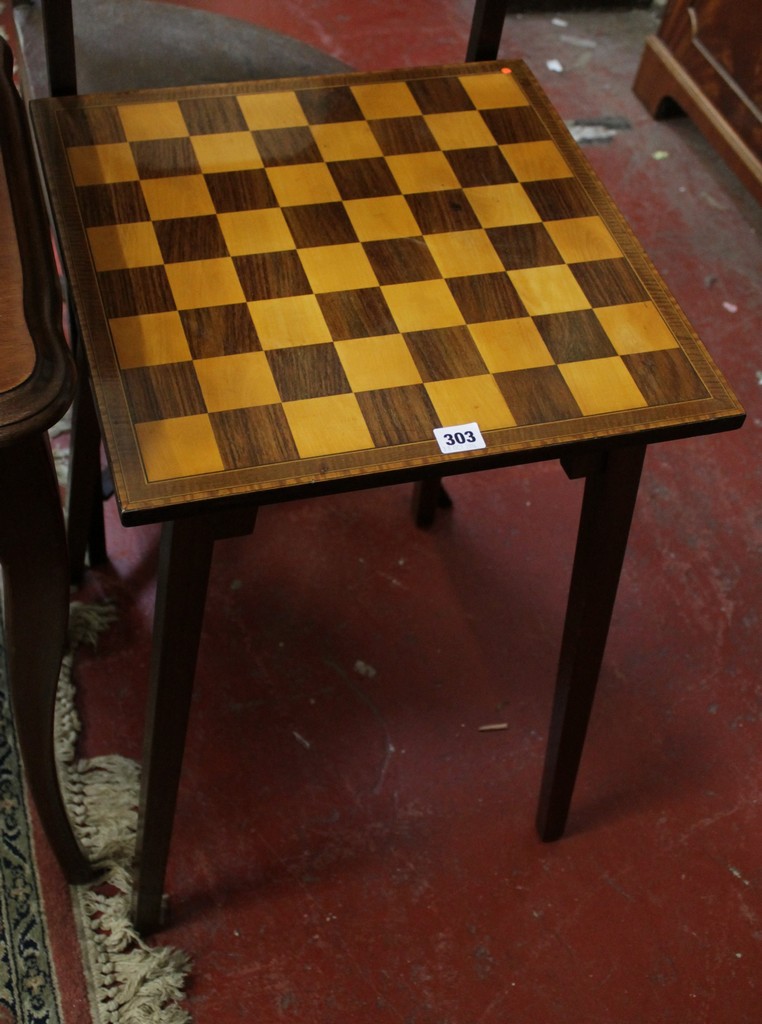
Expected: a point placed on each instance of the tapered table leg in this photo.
(85, 527)
(185, 557)
(428, 496)
(36, 578)
(607, 509)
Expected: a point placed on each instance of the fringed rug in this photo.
(128, 981)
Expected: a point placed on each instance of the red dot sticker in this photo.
(506, 71)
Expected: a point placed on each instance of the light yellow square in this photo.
(536, 161)
(507, 345)
(494, 90)
(144, 121)
(226, 151)
(198, 283)
(263, 110)
(285, 323)
(179, 447)
(184, 196)
(327, 426)
(422, 172)
(602, 385)
(636, 327)
(255, 231)
(236, 381)
(102, 165)
(349, 140)
(580, 239)
(373, 363)
(422, 306)
(460, 253)
(336, 268)
(149, 340)
(384, 217)
(303, 184)
(499, 206)
(118, 246)
(386, 99)
(470, 400)
(548, 290)
(461, 129)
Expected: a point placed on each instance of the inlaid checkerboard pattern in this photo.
(290, 274)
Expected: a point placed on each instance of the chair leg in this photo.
(607, 509)
(36, 581)
(486, 29)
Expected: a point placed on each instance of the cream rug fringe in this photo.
(131, 982)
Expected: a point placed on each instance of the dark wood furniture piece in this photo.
(706, 60)
(286, 287)
(36, 388)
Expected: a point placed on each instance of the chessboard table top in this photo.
(286, 287)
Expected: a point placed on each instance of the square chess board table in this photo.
(296, 287)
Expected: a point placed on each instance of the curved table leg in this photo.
(36, 580)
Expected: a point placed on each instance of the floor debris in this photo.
(590, 130)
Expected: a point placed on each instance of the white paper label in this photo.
(465, 437)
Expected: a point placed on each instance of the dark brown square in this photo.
(559, 198)
(574, 336)
(401, 259)
(240, 190)
(257, 436)
(485, 297)
(363, 179)
(440, 95)
(219, 330)
(163, 392)
(448, 210)
(319, 224)
(271, 275)
(119, 203)
(88, 127)
(539, 395)
(330, 105)
(165, 158)
(515, 124)
(357, 314)
(665, 377)
(213, 114)
(398, 415)
(398, 135)
(137, 290)
(524, 245)
(308, 371)
(190, 238)
(445, 354)
(484, 166)
(609, 282)
(281, 147)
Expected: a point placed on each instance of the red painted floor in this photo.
(350, 846)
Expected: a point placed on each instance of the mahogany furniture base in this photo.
(665, 88)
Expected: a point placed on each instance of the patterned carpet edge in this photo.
(130, 981)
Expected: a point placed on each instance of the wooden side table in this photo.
(296, 288)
